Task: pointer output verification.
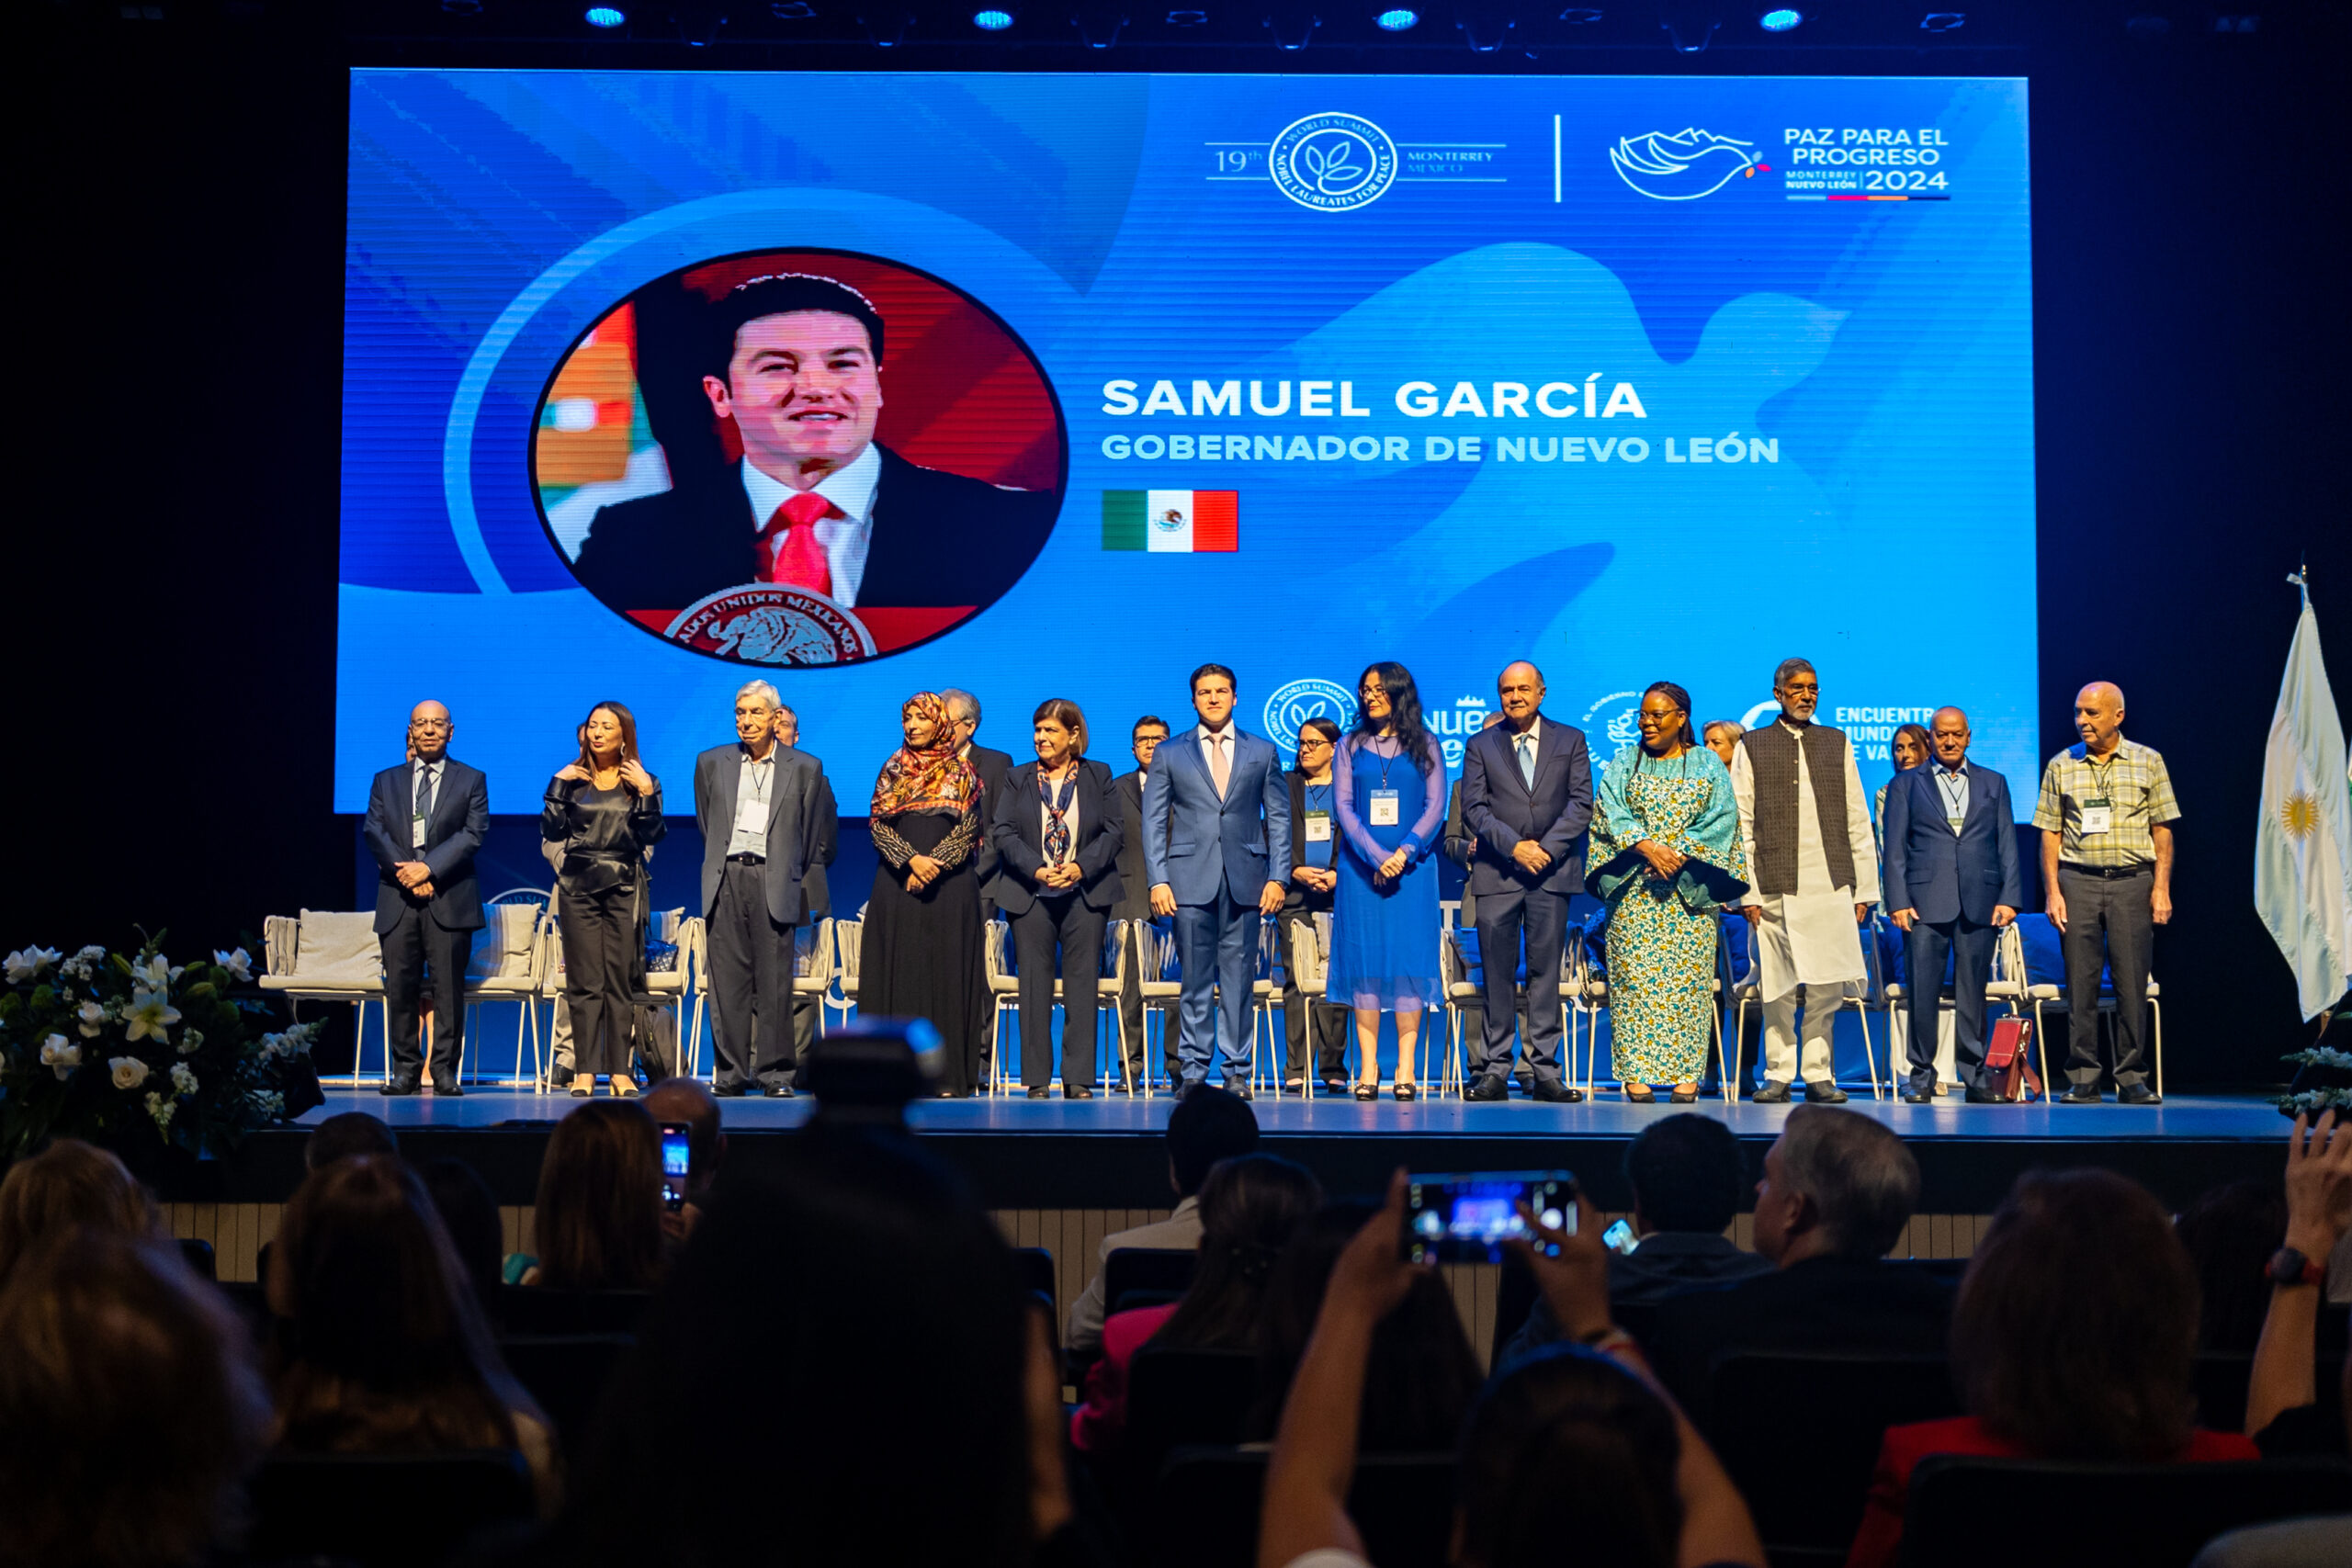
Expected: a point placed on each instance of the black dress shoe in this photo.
(1978, 1097)
(1680, 1097)
(1240, 1091)
(447, 1089)
(1774, 1092)
(1918, 1097)
(1557, 1094)
(397, 1086)
(2138, 1094)
(729, 1090)
(1824, 1094)
(2081, 1094)
(1041, 1091)
(1077, 1091)
(778, 1091)
(1487, 1090)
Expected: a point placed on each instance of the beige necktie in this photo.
(1220, 770)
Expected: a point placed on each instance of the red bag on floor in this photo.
(2007, 1072)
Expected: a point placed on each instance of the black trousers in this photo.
(1925, 950)
(751, 983)
(1058, 936)
(1502, 917)
(417, 942)
(2109, 922)
(1304, 1015)
(599, 967)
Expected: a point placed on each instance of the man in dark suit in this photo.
(1837, 1190)
(816, 886)
(994, 768)
(1134, 892)
(1526, 798)
(1952, 876)
(794, 363)
(754, 802)
(426, 819)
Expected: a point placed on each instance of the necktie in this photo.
(1220, 767)
(1525, 746)
(794, 555)
(424, 790)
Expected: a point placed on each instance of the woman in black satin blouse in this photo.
(604, 810)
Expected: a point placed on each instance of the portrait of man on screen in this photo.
(820, 544)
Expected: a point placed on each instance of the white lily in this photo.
(157, 971)
(183, 1080)
(89, 1018)
(28, 963)
(129, 1072)
(150, 1014)
(240, 963)
(60, 1056)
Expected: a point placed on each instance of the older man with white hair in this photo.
(757, 804)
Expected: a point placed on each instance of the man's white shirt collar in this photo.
(846, 538)
(1535, 732)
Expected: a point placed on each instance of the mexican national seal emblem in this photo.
(773, 623)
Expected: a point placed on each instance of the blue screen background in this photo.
(1116, 225)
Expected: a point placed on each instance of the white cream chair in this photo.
(848, 939)
(326, 955)
(505, 967)
(1309, 961)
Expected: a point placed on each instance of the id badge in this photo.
(1319, 827)
(416, 832)
(751, 817)
(1383, 809)
(2099, 816)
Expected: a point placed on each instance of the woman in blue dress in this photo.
(1390, 804)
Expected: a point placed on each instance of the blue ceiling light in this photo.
(1780, 20)
(992, 21)
(1397, 21)
(604, 17)
(1944, 21)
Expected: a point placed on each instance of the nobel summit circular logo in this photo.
(1332, 162)
(1295, 703)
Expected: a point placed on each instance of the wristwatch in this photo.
(2288, 1266)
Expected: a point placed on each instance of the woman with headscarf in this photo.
(1666, 857)
(920, 954)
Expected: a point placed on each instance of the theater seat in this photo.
(1163, 1274)
(383, 1511)
(568, 1374)
(1798, 1433)
(1179, 1397)
(1968, 1513)
(1206, 1506)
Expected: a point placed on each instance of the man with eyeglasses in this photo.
(1814, 867)
(1312, 880)
(426, 819)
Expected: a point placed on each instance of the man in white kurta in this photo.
(1805, 825)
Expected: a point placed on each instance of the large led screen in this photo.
(1060, 386)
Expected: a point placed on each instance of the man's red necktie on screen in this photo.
(790, 547)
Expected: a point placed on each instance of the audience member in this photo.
(892, 1314)
(1207, 1126)
(1837, 1191)
(1686, 1172)
(347, 1133)
(1421, 1375)
(2231, 1234)
(685, 1099)
(1251, 1207)
(68, 1186)
(130, 1408)
(598, 1214)
(1574, 1454)
(2282, 1395)
(2073, 1339)
(384, 1347)
(468, 1211)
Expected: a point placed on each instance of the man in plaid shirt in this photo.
(2106, 817)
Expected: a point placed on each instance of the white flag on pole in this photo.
(2302, 847)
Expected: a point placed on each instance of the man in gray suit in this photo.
(755, 802)
(1526, 798)
(1135, 899)
(816, 886)
(426, 819)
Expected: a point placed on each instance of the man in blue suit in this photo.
(1526, 799)
(1216, 850)
(1951, 875)
(426, 819)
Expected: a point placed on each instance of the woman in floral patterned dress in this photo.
(1666, 857)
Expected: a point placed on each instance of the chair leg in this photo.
(2156, 1041)
(1870, 1059)
(2042, 1051)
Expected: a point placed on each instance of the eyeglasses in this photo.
(1315, 745)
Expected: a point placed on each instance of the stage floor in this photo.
(1107, 1153)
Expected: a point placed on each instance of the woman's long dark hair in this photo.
(1681, 699)
(1404, 711)
(1251, 1207)
(628, 734)
(599, 1210)
(1568, 1434)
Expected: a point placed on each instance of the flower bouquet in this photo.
(118, 1048)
